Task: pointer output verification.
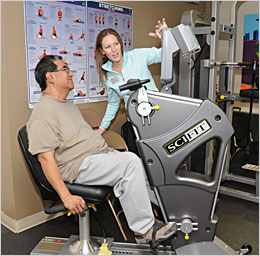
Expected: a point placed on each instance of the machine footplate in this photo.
(49, 246)
(61, 246)
(137, 249)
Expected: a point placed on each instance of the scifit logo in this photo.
(185, 138)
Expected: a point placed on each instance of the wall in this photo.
(20, 199)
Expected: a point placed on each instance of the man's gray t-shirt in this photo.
(58, 125)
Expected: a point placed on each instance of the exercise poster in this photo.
(101, 16)
(69, 29)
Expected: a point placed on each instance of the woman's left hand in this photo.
(158, 29)
(100, 130)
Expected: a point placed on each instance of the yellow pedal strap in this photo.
(104, 250)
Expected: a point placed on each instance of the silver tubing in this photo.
(161, 205)
(83, 245)
(220, 175)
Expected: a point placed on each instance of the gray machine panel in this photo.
(168, 137)
(177, 116)
(171, 106)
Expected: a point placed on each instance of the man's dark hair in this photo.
(46, 64)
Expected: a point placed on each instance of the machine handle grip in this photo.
(133, 84)
(50, 209)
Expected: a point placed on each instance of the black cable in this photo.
(100, 223)
(195, 61)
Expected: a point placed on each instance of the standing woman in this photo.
(116, 67)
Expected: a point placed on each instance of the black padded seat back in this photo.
(240, 124)
(91, 194)
(128, 134)
(46, 190)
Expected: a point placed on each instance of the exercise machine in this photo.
(224, 99)
(203, 76)
(168, 129)
(185, 197)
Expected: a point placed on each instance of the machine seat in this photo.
(91, 194)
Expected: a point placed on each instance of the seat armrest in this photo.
(91, 194)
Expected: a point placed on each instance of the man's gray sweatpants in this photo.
(125, 172)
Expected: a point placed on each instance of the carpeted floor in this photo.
(238, 225)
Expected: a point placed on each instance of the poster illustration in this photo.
(56, 28)
(101, 16)
(69, 29)
(250, 47)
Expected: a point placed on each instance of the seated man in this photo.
(70, 150)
